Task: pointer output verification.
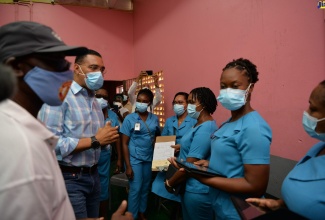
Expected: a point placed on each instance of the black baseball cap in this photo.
(26, 37)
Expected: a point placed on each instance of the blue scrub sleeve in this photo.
(254, 146)
(200, 146)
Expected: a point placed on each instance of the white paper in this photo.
(162, 151)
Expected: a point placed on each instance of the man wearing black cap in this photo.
(31, 183)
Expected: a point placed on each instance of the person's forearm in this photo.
(126, 155)
(119, 150)
(83, 144)
(177, 178)
(230, 185)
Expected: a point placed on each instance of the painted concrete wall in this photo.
(107, 31)
(193, 40)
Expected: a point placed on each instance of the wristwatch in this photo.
(94, 143)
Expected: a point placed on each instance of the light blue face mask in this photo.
(125, 98)
(141, 107)
(50, 86)
(178, 109)
(310, 123)
(191, 110)
(233, 99)
(93, 80)
(103, 103)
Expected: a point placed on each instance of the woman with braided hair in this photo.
(195, 145)
(240, 148)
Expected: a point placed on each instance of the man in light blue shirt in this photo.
(79, 123)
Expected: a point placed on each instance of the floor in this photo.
(153, 212)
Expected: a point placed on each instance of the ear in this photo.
(76, 68)
(16, 66)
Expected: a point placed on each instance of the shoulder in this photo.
(254, 120)
(171, 119)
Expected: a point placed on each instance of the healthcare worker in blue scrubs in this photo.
(177, 125)
(139, 131)
(240, 148)
(196, 145)
(104, 161)
(303, 190)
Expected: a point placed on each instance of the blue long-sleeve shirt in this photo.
(79, 116)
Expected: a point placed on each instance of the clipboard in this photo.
(192, 168)
(162, 151)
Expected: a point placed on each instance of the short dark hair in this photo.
(244, 65)
(322, 83)
(206, 98)
(118, 95)
(79, 59)
(148, 93)
(183, 94)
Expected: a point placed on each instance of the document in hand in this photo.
(162, 151)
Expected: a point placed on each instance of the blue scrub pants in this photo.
(196, 206)
(139, 186)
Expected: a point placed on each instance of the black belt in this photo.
(68, 169)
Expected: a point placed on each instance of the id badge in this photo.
(137, 127)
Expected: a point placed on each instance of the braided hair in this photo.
(148, 93)
(244, 65)
(206, 98)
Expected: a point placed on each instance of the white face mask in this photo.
(233, 99)
(118, 104)
(103, 103)
(310, 123)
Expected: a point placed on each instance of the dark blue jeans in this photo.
(84, 192)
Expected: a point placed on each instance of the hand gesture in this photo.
(177, 147)
(120, 213)
(129, 173)
(107, 134)
(141, 75)
(266, 204)
(203, 163)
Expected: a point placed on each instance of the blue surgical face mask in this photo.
(310, 123)
(125, 98)
(93, 80)
(141, 107)
(103, 103)
(51, 87)
(178, 109)
(233, 99)
(191, 110)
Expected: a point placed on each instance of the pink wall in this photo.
(107, 31)
(193, 40)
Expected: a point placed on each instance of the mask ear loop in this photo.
(246, 92)
(81, 71)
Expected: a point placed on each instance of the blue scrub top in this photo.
(171, 127)
(141, 142)
(112, 117)
(197, 143)
(303, 190)
(244, 141)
